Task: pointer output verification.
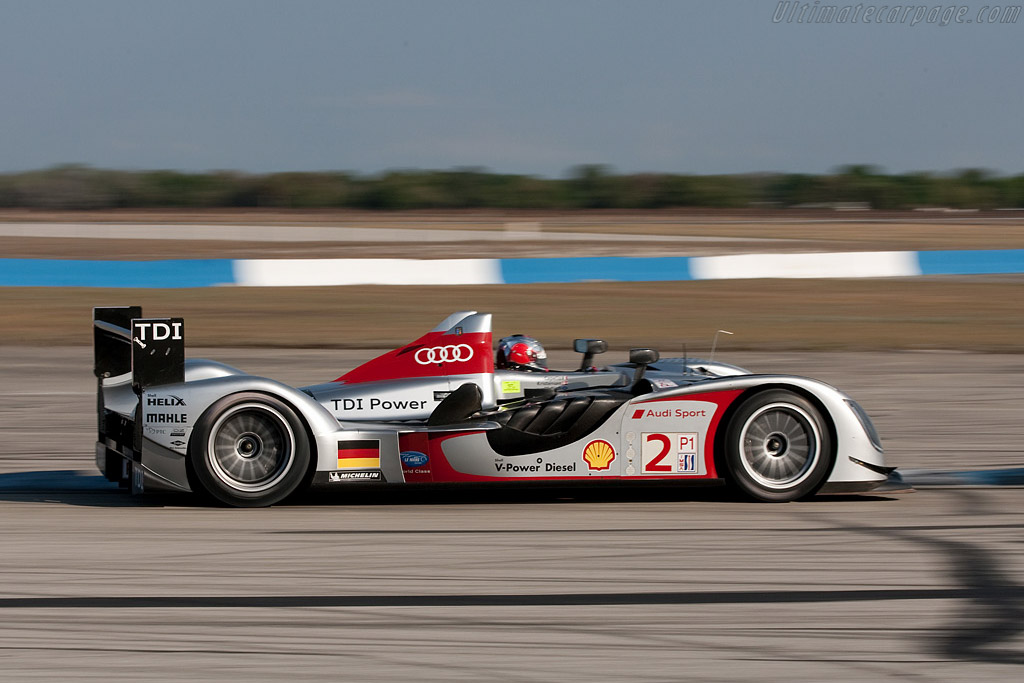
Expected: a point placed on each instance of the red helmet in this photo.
(519, 352)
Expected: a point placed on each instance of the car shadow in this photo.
(76, 488)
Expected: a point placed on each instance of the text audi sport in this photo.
(441, 409)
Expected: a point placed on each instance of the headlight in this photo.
(865, 422)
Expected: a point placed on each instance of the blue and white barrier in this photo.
(336, 272)
(156, 274)
(372, 271)
(844, 264)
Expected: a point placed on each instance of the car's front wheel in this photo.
(249, 450)
(778, 447)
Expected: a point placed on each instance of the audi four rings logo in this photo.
(456, 353)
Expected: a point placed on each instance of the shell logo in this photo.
(599, 455)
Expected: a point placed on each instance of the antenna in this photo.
(714, 343)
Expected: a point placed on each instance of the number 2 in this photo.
(655, 465)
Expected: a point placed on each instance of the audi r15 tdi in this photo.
(443, 408)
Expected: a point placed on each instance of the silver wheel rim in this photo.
(251, 447)
(779, 445)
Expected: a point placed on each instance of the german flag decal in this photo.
(359, 454)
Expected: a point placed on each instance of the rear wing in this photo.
(151, 349)
(152, 352)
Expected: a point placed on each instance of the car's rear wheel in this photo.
(249, 450)
(778, 447)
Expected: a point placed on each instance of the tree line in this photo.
(585, 187)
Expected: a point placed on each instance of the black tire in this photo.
(249, 450)
(778, 447)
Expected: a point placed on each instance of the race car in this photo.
(441, 410)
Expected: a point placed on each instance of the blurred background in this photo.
(587, 187)
(742, 127)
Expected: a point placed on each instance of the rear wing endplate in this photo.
(151, 349)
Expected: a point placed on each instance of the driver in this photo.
(520, 352)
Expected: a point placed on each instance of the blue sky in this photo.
(524, 87)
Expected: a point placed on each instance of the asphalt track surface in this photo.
(512, 585)
(274, 233)
(136, 240)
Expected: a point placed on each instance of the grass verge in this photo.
(985, 314)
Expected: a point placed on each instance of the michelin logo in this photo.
(364, 476)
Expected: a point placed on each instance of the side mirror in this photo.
(641, 358)
(589, 348)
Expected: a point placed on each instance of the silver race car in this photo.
(443, 409)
